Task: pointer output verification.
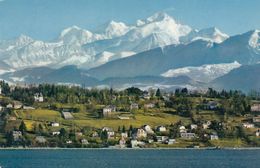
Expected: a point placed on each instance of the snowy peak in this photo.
(77, 36)
(158, 17)
(204, 73)
(116, 29)
(211, 34)
(254, 40)
(23, 40)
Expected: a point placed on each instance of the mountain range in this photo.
(154, 52)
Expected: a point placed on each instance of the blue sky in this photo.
(44, 19)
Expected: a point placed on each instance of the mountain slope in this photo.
(204, 73)
(245, 78)
(200, 52)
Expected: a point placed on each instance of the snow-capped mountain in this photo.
(155, 31)
(157, 61)
(113, 29)
(204, 73)
(78, 36)
(209, 34)
(111, 41)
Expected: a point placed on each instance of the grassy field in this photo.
(39, 114)
(228, 143)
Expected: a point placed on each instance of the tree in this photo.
(158, 93)
(22, 127)
(104, 135)
(63, 132)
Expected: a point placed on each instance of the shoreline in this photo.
(47, 148)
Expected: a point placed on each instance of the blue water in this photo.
(129, 158)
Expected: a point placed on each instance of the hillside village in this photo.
(75, 117)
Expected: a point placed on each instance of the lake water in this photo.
(102, 158)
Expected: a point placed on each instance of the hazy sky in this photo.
(44, 19)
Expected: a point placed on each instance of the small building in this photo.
(38, 97)
(211, 105)
(55, 124)
(182, 129)
(255, 108)
(40, 139)
(55, 133)
(67, 115)
(17, 105)
(0, 90)
(110, 132)
(162, 139)
(17, 135)
(136, 144)
(9, 106)
(257, 133)
(108, 110)
(248, 125)
(188, 135)
(214, 137)
(141, 133)
(149, 105)
(146, 95)
(134, 106)
(161, 129)
(28, 108)
(122, 143)
(206, 125)
(193, 126)
(1, 108)
(148, 129)
(69, 142)
(124, 135)
(84, 142)
(256, 119)
(171, 141)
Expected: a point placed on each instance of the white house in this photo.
(182, 129)
(0, 90)
(122, 143)
(38, 97)
(141, 133)
(124, 135)
(257, 133)
(84, 141)
(1, 108)
(161, 129)
(9, 106)
(17, 135)
(148, 129)
(206, 125)
(255, 108)
(56, 133)
(55, 124)
(108, 110)
(248, 125)
(171, 141)
(214, 137)
(193, 126)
